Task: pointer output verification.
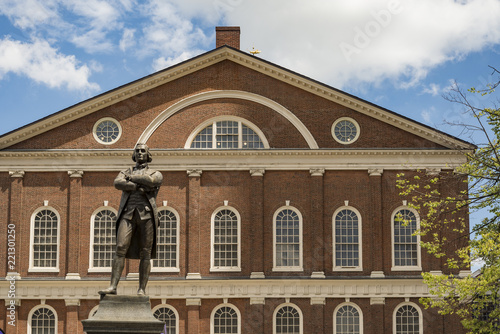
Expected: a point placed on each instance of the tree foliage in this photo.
(444, 200)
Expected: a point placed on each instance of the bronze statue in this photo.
(137, 218)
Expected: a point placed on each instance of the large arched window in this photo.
(169, 316)
(225, 240)
(102, 239)
(287, 319)
(227, 132)
(225, 319)
(167, 241)
(347, 319)
(287, 240)
(44, 255)
(407, 319)
(405, 245)
(42, 320)
(347, 239)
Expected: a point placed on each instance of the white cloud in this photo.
(366, 42)
(169, 35)
(127, 40)
(29, 13)
(162, 62)
(42, 63)
(426, 115)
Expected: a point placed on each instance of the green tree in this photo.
(445, 200)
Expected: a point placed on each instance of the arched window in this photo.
(42, 320)
(287, 240)
(167, 241)
(44, 240)
(227, 132)
(225, 319)
(225, 240)
(407, 319)
(103, 239)
(347, 239)
(405, 245)
(347, 319)
(287, 319)
(168, 315)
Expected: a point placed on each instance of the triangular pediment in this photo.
(254, 63)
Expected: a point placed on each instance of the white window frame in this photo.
(299, 311)
(353, 121)
(213, 122)
(418, 267)
(173, 310)
(212, 316)
(300, 267)
(361, 324)
(94, 130)
(32, 268)
(30, 316)
(420, 318)
(360, 241)
(175, 269)
(93, 269)
(213, 268)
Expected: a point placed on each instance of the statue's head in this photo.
(141, 154)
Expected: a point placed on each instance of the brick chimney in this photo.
(229, 36)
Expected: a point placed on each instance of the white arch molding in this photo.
(232, 94)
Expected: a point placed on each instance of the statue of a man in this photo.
(137, 218)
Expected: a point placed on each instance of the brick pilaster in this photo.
(72, 321)
(74, 221)
(193, 255)
(257, 203)
(193, 315)
(317, 238)
(15, 221)
(376, 228)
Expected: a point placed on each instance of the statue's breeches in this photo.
(138, 227)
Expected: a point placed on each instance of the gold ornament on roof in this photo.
(254, 51)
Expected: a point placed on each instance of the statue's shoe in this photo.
(141, 292)
(108, 291)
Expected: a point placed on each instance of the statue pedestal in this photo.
(123, 315)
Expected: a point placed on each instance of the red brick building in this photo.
(277, 207)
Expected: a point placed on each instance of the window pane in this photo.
(227, 134)
(167, 315)
(166, 240)
(203, 139)
(287, 239)
(107, 131)
(45, 239)
(250, 139)
(346, 239)
(225, 320)
(407, 320)
(287, 320)
(104, 238)
(43, 321)
(345, 131)
(405, 243)
(347, 320)
(225, 244)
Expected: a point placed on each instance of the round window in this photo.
(345, 130)
(107, 131)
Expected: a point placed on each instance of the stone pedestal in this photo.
(123, 315)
